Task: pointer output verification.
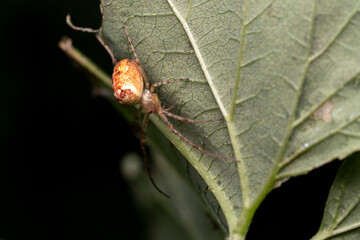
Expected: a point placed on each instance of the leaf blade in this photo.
(255, 70)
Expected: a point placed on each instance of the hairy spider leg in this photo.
(97, 33)
(142, 138)
(171, 127)
(186, 119)
(154, 85)
(137, 116)
(146, 160)
(168, 109)
(146, 116)
(137, 60)
(135, 125)
(162, 114)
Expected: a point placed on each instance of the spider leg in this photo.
(154, 85)
(137, 60)
(137, 116)
(97, 35)
(186, 119)
(146, 159)
(168, 109)
(100, 39)
(135, 125)
(171, 127)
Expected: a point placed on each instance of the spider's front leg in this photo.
(137, 60)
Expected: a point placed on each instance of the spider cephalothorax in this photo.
(150, 101)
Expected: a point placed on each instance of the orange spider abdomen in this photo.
(127, 82)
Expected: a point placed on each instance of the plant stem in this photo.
(65, 44)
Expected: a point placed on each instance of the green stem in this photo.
(66, 45)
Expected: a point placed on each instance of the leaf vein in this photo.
(331, 133)
(316, 106)
(336, 35)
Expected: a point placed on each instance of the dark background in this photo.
(61, 145)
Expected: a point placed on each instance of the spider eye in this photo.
(127, 82)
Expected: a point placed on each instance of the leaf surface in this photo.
(284, 78)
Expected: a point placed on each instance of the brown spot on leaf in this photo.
(324, 112)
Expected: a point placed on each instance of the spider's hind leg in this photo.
(176, 132)
(145, 156)
(135, 123)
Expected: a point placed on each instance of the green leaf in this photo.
(341, 218)
(283, 76)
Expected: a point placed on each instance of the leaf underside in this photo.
(283, 76)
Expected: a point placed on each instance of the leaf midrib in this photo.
(229, 116)
(248, 209)
(217, 191)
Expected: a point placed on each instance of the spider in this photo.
(131, 86)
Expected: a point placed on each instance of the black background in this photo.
(61, 146)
